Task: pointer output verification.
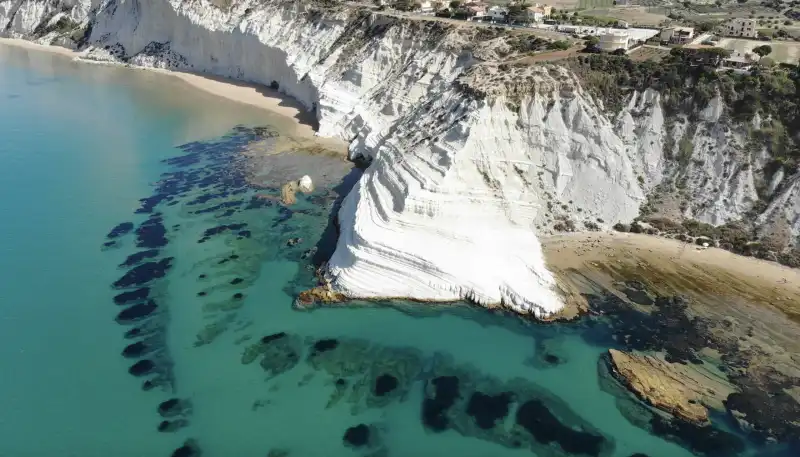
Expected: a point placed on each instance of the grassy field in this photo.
(589, 4)
(633, 15)
(646, 53)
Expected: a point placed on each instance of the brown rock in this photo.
(288, 193)
(663, 385)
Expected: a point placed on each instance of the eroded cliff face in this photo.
(471, 160)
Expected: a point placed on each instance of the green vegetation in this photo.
(560, 45)
(762, 50)
(688, 80)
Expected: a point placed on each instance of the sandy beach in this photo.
(259, 96)
(672, 267)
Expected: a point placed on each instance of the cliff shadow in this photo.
(330, 235)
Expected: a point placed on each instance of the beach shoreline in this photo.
(255, 95)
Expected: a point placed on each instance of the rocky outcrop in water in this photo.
(659, 384)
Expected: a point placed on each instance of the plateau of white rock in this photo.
(470, 164)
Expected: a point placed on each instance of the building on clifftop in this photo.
(741, 27)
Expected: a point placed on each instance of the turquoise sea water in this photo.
(80, 146)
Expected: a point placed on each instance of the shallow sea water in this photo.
(80, 146)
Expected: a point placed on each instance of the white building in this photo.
(741, 27)
(680, 35)
(498, 13)
(612, 41)
(427, 7)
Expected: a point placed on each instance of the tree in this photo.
(762, 50)
(591, 41)
(766, 62)
(518, 13)
(455, 4)
(561, 45)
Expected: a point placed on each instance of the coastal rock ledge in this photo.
(660, 384)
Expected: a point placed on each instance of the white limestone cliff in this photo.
(469, 163)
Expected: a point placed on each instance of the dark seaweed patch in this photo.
(488, 409)
(257, 202)
(705, 440)
(137, 312)
(189, 449)
(202, 199)
(325, 345)
(142, 367)
(222, 229)
(238, 296)
(133, 295)
(121, 229)
(270, 338)
(171, 408)
(144, 273)
(136, 350)
(668, 327)
(137, 257)
(434, 410)
(384, 384)
(166, 426)
(151, 233)
(284, 214)
(537, 419)
(221, 206)
(140, 331)
(357, 436)
(109, 244)
(235, 281)
(769, 410)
